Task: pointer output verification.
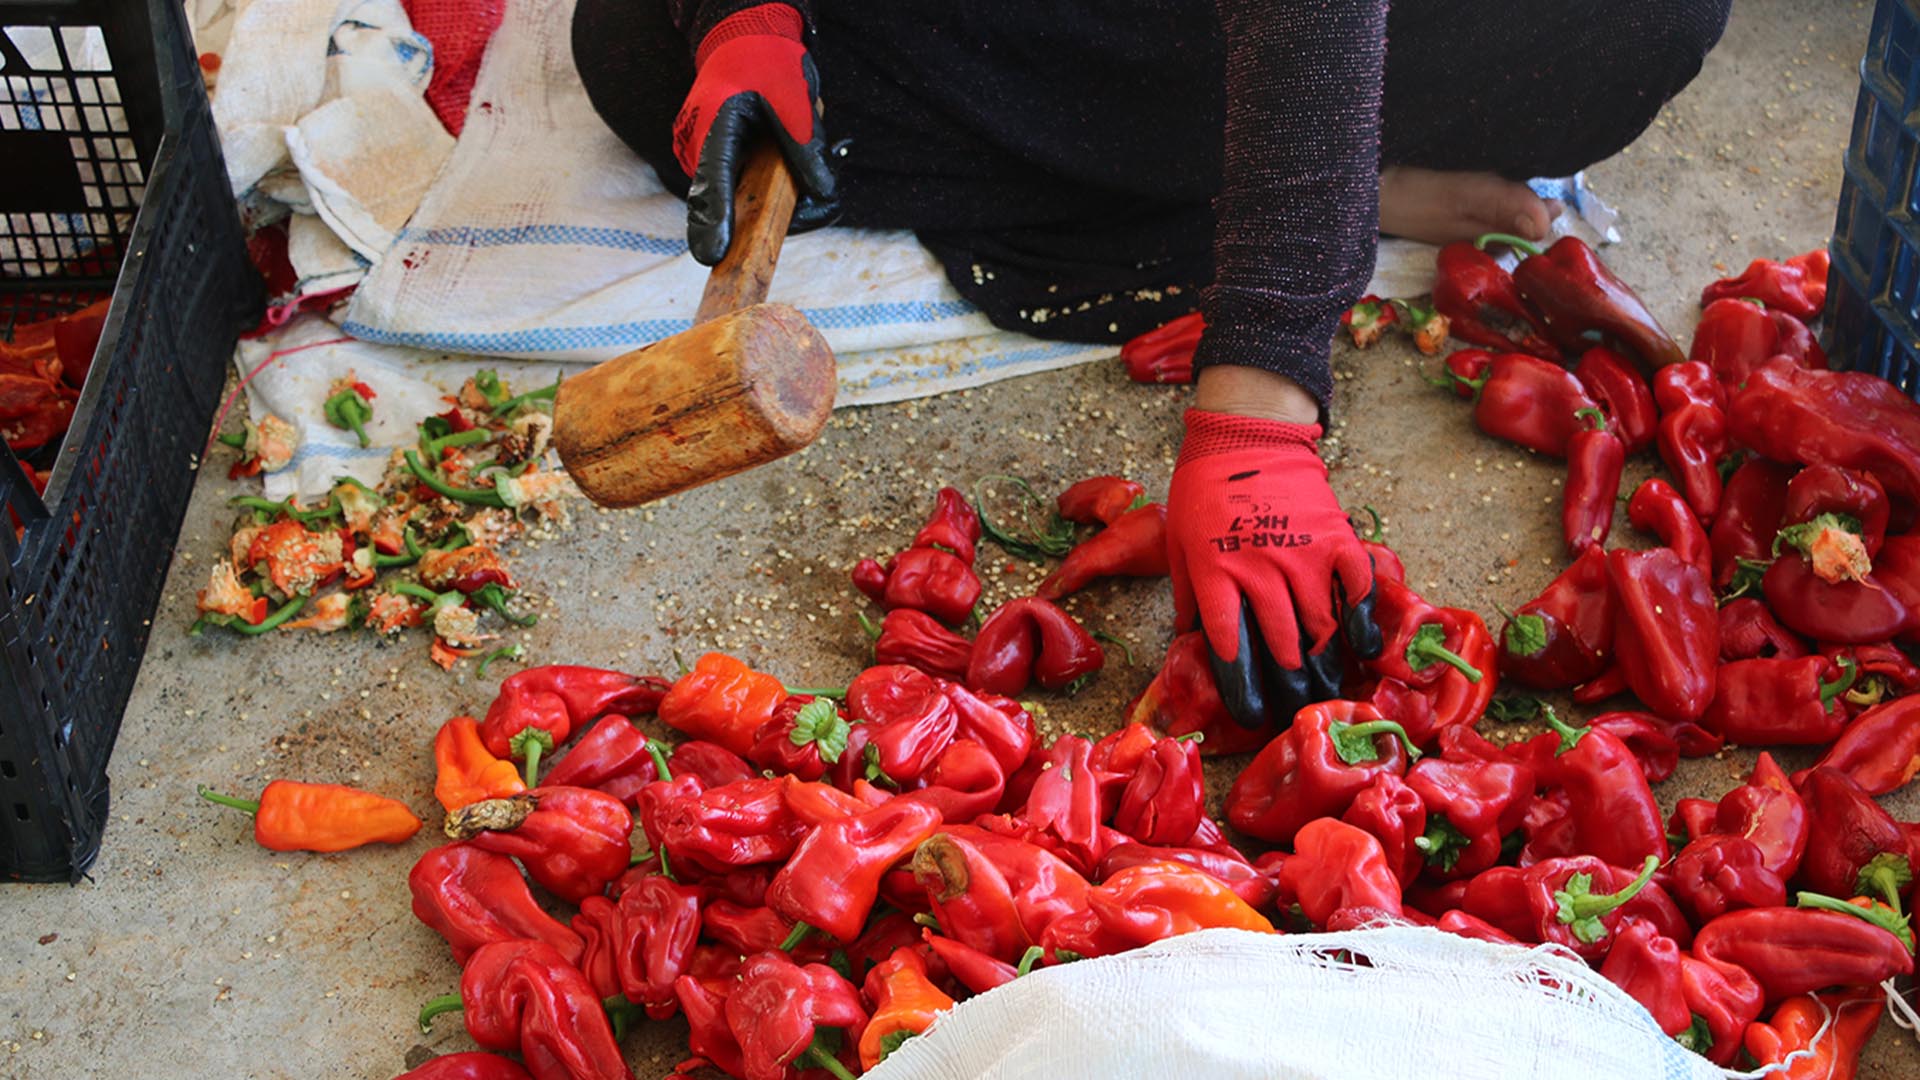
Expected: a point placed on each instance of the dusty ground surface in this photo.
(190, 952)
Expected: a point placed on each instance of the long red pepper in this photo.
(1751, 506)
(1165, 353)
(1798, 950)
(1623, 395)
(1614, 812)
(1780, 702)
(1134, 545)
(907, 636)
(474, 897)
(1595, 459)
(1846, 418)
(1478, 297)
(1880, 750)
(1579, 300)
(1657, 508)
(1528, 401)
(954, 525)
(1564, 636)
(558, 698)
(1668, 637)
(1100, 500)
(1030, 639)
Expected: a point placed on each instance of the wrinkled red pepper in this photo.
(954, 525)
(1767, 810)
(1247, 881)
(558, 698)
(1657, 508)
(1100, 500)
(1482, 306)
(779, 1010)
(833, 879)
(1748, 631)
(572, 840)
(1797, 286)
(745, 823)
(1064, 800)
(994, 894)
(1623, 395)
(1667, 641)
(1166, 796)
(802, 738)
(1030, 639)
(524, 996)
(1646, 964)
(611, 757)
(1315, 768)
(1751, 507)
(1880, 750)
(912, 637)
(1846, 418)
(1854, 847)
(1693, 440)
(1144, 904)
(659, 924)
(1471, 807)
(1446, 654)
(1614, 812)
(1134, 545)
(1733, 338)
(904, 721)
(473, 897)
(1182, 699)
(926, 579)
(1678, 385)
(1718, 873)
(1564, 636)
(1396, 816)
(1725, 999)
(1336, 866)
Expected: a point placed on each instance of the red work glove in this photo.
(1264, 559)
(751, 73)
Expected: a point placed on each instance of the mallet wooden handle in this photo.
(762, 209)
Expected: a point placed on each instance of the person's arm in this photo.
(696, 18)
(1297, 219)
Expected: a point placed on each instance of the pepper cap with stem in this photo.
(249, 806)
(349, 411)
(530, 744)
(1885, 876)
(1428, 647)
(1354, 742)
(1581, 909)
(1517, 243)
(1869, 911)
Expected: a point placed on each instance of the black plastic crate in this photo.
(1873, 291)
(113, 185)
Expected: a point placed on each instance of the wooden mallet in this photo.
(750, 382)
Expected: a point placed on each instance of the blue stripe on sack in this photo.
(311, 451)
(576, 235)
(989, 362)
(557, 339)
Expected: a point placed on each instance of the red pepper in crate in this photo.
(1693, 440)
(1555, 901)
(1715, 874)
(1767, 810)
(1247, 881)
(1622, 394)
(1880, 750)
(472, 1065)
(1315, 768)
(1165, 353)
(1780, 702)
(779, 1011)
(1797, 286)
(1144, 904)
(1336, 866)
(1724, 999)
(1135, 545)
(1667, 641)
(1564, 636)
(1527, 401)
(464, 772)
(613, 757)
(721, 700)
(295, 816)
(1751, 507)
(1846, 418)
(1166, 796)
(1854, 848)
(1657, 508)
(833, 879)
(926, 579)
(1482, 306)
(1692, 383)
(1800, 1036)
(1100, 500)
(659, 923)
(1797, 950)
(1471, 807)
(1396, 816)
(1595, 458)
(1733, 338)
(1748, 631)
(474, 897)
(1818, 490)
(558, 698)
(524, 996)
(1858, 612)
(906, 719)
(1614, 813)
(1446, 654)
(746, 823)
(905, 1003)
(572, 840)
(954, 525)
(1183, 699)
(1646, 964)
(1581, 301)
(1031, 640)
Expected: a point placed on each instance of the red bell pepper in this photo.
(1471, 808)
(1248, 882)
(1564, 636)
(1623, 396)
(1799, 1036)
(524, 996)
(1030, 639)
(1797, 286)
(905, 720)
(779, 1011)
(1657, 508)
(1818, 490)
(557, 699)
(1724, 999)
(1595, 459)
(1715, 874)
(1580, 301)
(1446, 654)
(722, 700)
(1880, 750)
(473, 897)
(1751, 506)
(1165, 353)
(611, 757)
(916, 638)
(1166, 796)
(715, 765)
(927, 579)
(746, 823)
(1748, 631)
(1183, 699)
(1466, 372)
(1693, 440)
(1100, 500)
(994, 893)
(1733, 338)
(659, 923)
(804, 736)
(1335, 866)
(1780, 702)
(1555, 901)
(999, 724)
(1854, 848)
(1064, 801)
(1667, 641)
(954, 526)
(1858, 612)
(1144, 904)
(1135, 545)
(833, 879)
(1767, 810)
(1646, 964)
(1797, 950)
(572, 840)
(1615, 815)
(472, 1065)
(1396, 816)
(1528, 401)
(1482, 306)
(1846, 418)
(1315, 768)
(964, 782)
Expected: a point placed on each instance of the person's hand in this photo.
(1266, 562)
(751, 74)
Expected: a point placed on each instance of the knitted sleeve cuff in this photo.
(1210, 433)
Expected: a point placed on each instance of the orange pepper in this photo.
(1157, 900)
(1856, 1013)
(292, 816)
(722, 700)
(466, 772)
(904, 1001)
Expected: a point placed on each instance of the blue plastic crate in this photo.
(1873, 291)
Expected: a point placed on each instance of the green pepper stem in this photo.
(420, 592)
(1028, 959)
(477, 496)
(545, 393)
(1370, 728)
(821, 1059)
(659, 757)
(795, 936)
(1594, 416)
(457, 438)
(1849, 671)
(534, 748)
(838, 693)
(272, 622)
(1570, 736)
(868, 626)
(1515, 242)
(1115, 640)
(236, 439)
(1421, 653)
(1377, 534)
(445, 1003)
(251, 806)
(1594, 905)
(405, 558)
(1890, 921)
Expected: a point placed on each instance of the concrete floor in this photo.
(192, 953)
